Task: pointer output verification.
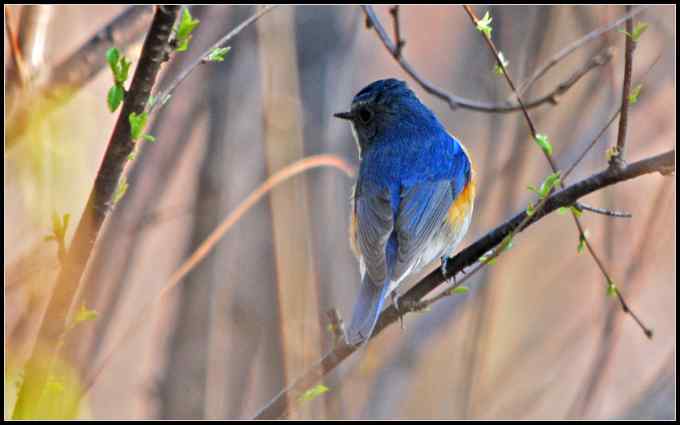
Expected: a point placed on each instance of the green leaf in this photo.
(132, 156)
(217, 54)
(544, 143)
(115, 97)
(484, 259)
(183, 45)
(582, 241)
(460, 290)
(186, 26)
(506, 244)
(112, 56)
(611, 288)
(612, 152)
(484, 24)
(562, 210)
(120, 190)
(149, 138)
(531, 209)
(634, 94)
(576, 210)
(497, 69)
(313, 393)
(638, 30)
(123, 69)
(548, 184)
(84, 315)
(137, 124)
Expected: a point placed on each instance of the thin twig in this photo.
(577, 222)
(610, 122)
(590, 146)
(278, 406)
(164, 95)
(400, 42)
(607, 344)
(454, 101)
(566, 51)
(617, 160)
(603, 211)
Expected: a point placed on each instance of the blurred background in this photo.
(536, 337)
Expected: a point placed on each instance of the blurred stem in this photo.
(55, 321)
(57, 85)
(296, 281)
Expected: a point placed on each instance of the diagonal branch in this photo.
(582, 236)
(566, 51)
(663, 163)
(163, 96)
(459, 102)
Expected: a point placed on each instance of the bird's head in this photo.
(385, 110)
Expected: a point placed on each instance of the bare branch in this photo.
(574, 46)
(165, 94)
(577, 222)
(459, 102)
(394, 11)
(603, 211)
(617, 160)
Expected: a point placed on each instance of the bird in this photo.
(413, 199)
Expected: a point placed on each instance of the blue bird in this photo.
(413, 198)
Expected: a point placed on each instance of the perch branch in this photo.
(577, 222)
(663, 163)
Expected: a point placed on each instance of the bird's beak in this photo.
(344, 115)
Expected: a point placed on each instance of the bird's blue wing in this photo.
(423, 211)
(373, 223)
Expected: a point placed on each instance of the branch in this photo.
(617, 159)
(573, 46)
(162, 97)
(59, 85)
(459, 102)
(663, 163)
(55, 321)
(397, 31)
(603, 211)
(582, 236)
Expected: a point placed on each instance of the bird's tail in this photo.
(366, 310)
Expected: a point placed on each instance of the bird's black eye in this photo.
(365, 115)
